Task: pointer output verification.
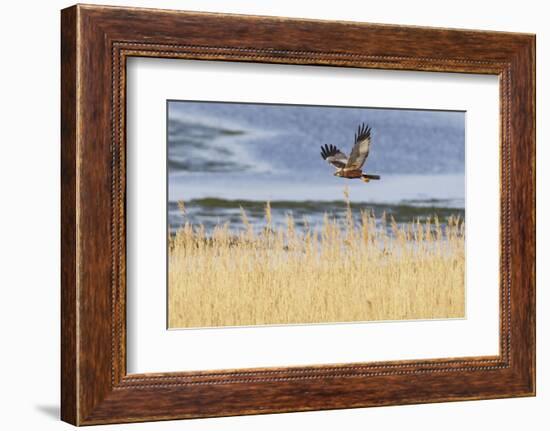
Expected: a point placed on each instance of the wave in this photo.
(201, 147)
(411, 206)
(212, 211)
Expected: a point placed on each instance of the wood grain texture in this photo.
(96, 41)
(69, 367)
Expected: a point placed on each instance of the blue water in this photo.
(223, 156)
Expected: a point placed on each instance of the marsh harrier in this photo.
(350, 167)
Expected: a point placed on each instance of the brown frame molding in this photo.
(95, 43)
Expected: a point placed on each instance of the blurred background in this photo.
(224, 156)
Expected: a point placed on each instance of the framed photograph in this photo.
(263, 214)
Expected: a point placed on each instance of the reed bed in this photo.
(340, 271)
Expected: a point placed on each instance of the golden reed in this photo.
(336, 272)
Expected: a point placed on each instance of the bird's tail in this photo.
(366, 177)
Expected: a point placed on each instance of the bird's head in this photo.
(338, 173)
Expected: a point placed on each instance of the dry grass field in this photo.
(337, 272)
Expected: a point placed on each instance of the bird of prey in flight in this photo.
(350, 167)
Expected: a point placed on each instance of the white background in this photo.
(151, 348)
(29, 219)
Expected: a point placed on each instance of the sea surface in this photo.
(226, 156)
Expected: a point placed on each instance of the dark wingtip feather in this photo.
(324, 151)
(363, 132)
(328, 150)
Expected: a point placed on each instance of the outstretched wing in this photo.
(334, 156)
(360, 150)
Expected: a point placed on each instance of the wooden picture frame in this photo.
(95, 43)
